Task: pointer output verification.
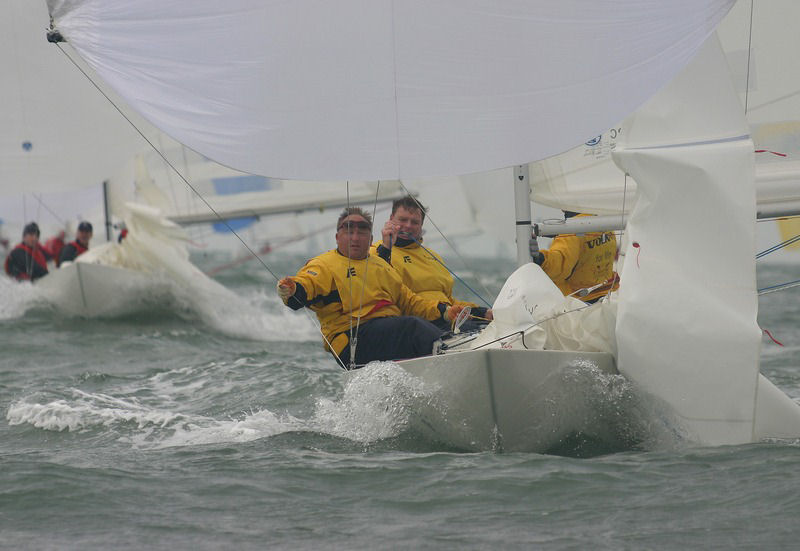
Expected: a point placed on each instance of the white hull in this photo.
(94, 290)
(511, 400)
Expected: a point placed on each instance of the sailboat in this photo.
(388, 90)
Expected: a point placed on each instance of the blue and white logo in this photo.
(594, 141)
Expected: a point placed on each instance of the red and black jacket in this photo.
(24, 263)
(71, 251)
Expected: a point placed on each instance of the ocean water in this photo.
(205, 426)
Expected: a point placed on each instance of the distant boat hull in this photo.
(94, 290)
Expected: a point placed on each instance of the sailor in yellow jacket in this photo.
(420, 268)
(580, 265)
(361, 302)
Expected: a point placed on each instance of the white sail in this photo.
(585, 179)
(379, 89)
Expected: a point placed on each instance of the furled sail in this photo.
(380, 90)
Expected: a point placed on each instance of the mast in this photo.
(522, 210)
(105, 210)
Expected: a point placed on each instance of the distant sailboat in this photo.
(387, 90)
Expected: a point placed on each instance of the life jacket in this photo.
(336, 291)
(424, 272)
(577, 262)
(79, 249)
(36, 255)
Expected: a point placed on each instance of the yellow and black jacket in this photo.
(577, 262)
(421, 270)
(333, 286)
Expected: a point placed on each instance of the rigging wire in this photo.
(353, 338)
(364, 283)
(48, 209)
(779, 287)
(779, 246)
(452, 246)
(412, 238)
(749, 54)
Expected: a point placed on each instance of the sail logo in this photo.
(605, 238)
(407, 259)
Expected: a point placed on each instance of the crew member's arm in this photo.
(389, 235)
(560, 259)
(313, 282)
(479, 311)
(411, 304)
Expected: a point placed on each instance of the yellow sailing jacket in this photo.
(576, 262)
(334, 288)
(423, 271)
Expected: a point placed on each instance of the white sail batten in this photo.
(380, 90)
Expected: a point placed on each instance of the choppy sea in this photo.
(227, 426)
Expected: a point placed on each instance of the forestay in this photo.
(380, 89)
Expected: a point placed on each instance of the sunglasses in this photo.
(355, 225)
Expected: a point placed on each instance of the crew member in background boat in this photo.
(123, 232)
(80, 245)
(420, 268)
(28, 260)
(354, 292)
(580, 265)
(55, 245)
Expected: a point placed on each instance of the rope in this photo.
(522, 331)
(778, 287)
(354, 339)
(452, 246)
(749, 54)
(779, 246)
(48, 209)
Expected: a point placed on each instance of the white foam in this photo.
(377, 403)
(17, 297)
(87, 411)
(257, 316)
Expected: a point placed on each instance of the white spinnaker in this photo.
(380, 89)
(686, 323)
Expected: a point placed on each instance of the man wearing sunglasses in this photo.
(421, 269)
(361, 302)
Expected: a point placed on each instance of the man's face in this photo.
(83, 237)
(410, 222)
(353, 237)
(30, 239)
